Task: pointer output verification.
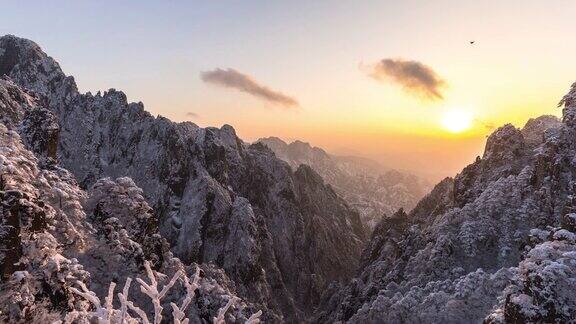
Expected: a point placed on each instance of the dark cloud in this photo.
(414, 76)
(231, 78)
(192, 115)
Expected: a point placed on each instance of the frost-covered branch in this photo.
(255, 318)
(109, 300)
(178, 312)
(87, 294)
(109, 315)
(123, 296)
(219, 319)
(101, 313)
(151, 290)
(138, 311)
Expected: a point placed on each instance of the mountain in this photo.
(363, 183)
(280, 236)
(95, 192)
(56, 238)
(496, 244)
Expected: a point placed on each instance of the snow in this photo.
(510, 213)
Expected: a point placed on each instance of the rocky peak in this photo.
(274, 143)
(534, 129)
(26, 63)
(505, 144)
(14, 49)
(506, 153)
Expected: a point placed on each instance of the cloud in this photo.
(231, 78)
(192, 115)
(414, 76)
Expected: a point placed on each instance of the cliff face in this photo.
(216, 198)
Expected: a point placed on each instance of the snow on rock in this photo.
(33, 231)
(14, 102)
(535, 128)
(543, 289)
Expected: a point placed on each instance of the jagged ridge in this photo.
(55, 236)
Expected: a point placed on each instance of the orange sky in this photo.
(316, 53)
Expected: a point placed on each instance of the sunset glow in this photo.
(456, 121)
(340, 75)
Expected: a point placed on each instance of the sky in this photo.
(387, 80)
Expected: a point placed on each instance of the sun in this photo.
(456, 121)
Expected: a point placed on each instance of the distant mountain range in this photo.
(373, 191)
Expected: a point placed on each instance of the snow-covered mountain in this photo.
(496, 244)
(95, 192)
(57, 240)
(279, 236)
(364, 184)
